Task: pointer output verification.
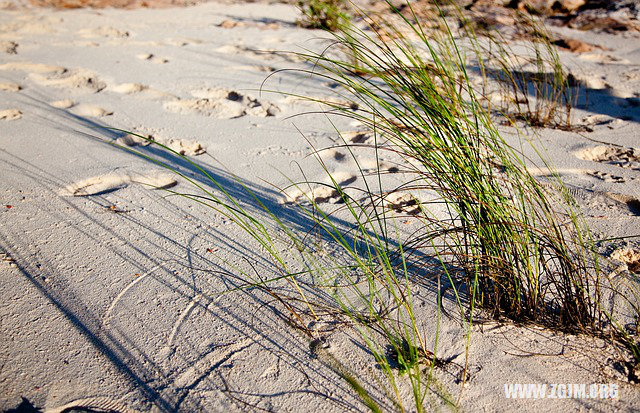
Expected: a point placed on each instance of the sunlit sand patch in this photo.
(90, 111)
(628, 256)
(63, 104)
(603, 58)
(10, 87)
(10, 114)
(590, 81)
(402, 202)
(32, 67)
(9, 47)
(128, 88)
(140, 90)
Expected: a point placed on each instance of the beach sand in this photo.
(112, 292)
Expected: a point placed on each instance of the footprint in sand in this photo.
(185, 147)
(128, 88)
(139, 89)
(358, 138)
(230, 24)
(603, 58)
(32, 67)
(628, 256)
(182, 42)
(152, 58)
(332, 153)
(613, 155)
(110, 182)
(86, 110)
(607, 177)
(601, 120)
(259, 54)
(135, 140)
(320, 193)
(104, 31)
(373, 165)
(402, 202)
(600, 199)
(182, 146)
(10, 114)
(9, 47)
(223, 104)
(325, 101)
(254, 68)
(90, 111)
(63, 104)
(10, 87)
(78, 80)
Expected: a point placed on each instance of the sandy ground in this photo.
(114, 294)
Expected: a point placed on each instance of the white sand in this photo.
(115, 293)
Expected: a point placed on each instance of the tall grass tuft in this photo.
(515, 252)
(533, 84)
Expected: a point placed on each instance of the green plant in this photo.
(323, 14)
(533, 84)
(503, 232)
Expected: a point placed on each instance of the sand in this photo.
(112, 290)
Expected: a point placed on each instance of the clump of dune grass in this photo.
(516, 253)
(533, 84)
(518, 247)
(323, 14)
